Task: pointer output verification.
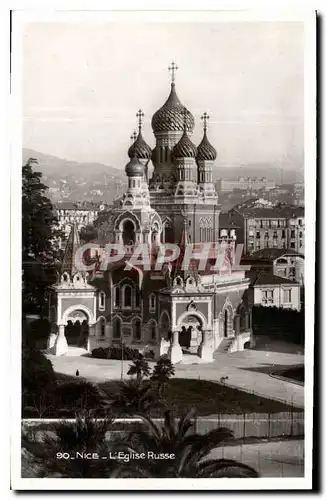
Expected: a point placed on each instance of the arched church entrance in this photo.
(77, 329)
(190, 335)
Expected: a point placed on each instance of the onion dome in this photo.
(170, 117)
(140, 149)
(205, 150)
(134, 168)
(184, 148)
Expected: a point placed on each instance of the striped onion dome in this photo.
(170, 117)
(140, 148)
(184, 148)
(205, 150)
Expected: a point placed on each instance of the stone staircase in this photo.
(225, 344)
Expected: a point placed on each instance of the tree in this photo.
(74, 439)
(190, 451)
(38, 382)
(140, 368)
(88, 233)
(163, 370)
(135, 397)
(39, 239)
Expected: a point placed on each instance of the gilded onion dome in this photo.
(184, 148)
(140, 148)
(134, 168)
(205, 150)
(170, 117)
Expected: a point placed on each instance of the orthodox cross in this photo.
(173, 68)
(133, 137)
(140, 116)
(205, 117)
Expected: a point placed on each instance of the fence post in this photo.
(244, 426)
(259, 468)
(292, 424)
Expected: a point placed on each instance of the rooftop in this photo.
(270, 254)
(281, 211)
(259, 278)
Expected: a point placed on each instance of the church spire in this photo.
(68, 264)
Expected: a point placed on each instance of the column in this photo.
(91, 341)
(175, 353)
(61, 346)
(205, 350)
(53, 336)
(237, 324)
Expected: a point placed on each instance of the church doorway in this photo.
(77, 330)
(190, 335)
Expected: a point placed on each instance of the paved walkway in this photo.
(247, 370)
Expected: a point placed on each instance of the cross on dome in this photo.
(205, 117)
(173, 68)
(133, 137)
(140, 116)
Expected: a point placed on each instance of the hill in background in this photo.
(75, 181)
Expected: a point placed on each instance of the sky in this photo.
(84, 82)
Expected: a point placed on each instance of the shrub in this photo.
(115, 353)
(77, 395)
(38, 381)
(37, 371)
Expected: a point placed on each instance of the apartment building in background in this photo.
(280, 226)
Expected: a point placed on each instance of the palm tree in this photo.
(57, 453)
(140, 368)
(190, 451)
(163, 370)
(135, 397)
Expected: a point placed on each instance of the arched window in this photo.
(116, 328)
(127, 296)
(102, 327)
(128, 232)
(152, 302)
(117, 296)
(137, 329)
(102, 301)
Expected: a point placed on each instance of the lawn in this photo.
(295, 373)
(209, 398)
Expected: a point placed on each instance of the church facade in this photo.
(175, 310)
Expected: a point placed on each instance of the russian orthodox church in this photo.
(173, 311)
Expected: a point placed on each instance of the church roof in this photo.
(184, 148)
(68, 264)
(205, 150)
(134, 167)
(170, 117)
(140, 148)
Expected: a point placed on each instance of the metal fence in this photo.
(258, 425)
(243, 426)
